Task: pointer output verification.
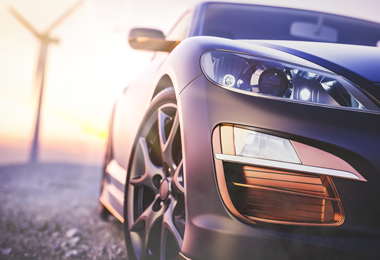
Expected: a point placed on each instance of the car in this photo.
(254, 133)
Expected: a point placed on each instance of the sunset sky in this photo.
(89, 67)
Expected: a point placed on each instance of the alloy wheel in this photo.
(155, 211)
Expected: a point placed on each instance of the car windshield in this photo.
(242, 21)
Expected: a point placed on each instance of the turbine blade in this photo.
(24, 22)
(63, 16)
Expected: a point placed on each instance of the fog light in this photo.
(254, 144)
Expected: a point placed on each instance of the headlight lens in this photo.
(278, 79)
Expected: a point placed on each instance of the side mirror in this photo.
(145, 39)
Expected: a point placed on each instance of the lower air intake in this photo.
(284, 197)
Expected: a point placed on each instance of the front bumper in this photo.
(212, 232)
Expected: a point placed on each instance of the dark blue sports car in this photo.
(254, 133)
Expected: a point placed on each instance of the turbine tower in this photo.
(45, 40)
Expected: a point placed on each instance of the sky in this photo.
(88, 68)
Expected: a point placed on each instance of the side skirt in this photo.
(112, 196)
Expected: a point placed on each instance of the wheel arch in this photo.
(164, 82)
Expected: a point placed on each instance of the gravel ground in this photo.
(49, 211)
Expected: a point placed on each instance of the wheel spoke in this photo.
(168, 226)
(144, 223)
(166, 147)
(177, 179)
(173, 131)
(150, 169)
(162, 120)
(149, 216)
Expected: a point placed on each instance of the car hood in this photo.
(359, 64)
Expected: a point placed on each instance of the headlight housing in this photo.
(273, 78)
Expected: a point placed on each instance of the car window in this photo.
(240, 21)
(177, 33)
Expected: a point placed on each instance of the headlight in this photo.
(278, 79)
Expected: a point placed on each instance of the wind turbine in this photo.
(45, 40)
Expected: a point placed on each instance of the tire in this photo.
(154, 208)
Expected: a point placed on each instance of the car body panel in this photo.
(126, 121)
(140, 91)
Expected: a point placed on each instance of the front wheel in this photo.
(154, 207)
